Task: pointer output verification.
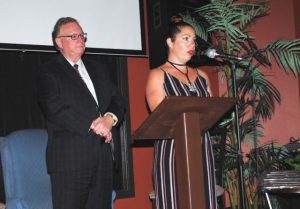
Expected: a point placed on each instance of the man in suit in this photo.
(81, 106)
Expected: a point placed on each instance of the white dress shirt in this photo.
(86, 78)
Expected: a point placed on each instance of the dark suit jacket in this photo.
(70, 108)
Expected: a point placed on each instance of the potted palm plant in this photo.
(224, 24)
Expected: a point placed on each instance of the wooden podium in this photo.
(185, 119)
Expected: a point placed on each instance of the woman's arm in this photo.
(205, 76)
(154, 88)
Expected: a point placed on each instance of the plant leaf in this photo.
(286, 54)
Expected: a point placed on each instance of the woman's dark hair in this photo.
(175, 25)
(60, 22)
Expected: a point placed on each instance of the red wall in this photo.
(138, 69)
(280, 24)
(297, 26)
(285, 123)
(142, 157)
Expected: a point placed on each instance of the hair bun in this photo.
(176, 19)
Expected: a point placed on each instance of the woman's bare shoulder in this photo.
(156, 72)
(202, 73)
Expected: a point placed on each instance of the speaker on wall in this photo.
(159, 14)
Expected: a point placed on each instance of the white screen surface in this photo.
(110, 25)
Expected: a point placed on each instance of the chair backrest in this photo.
(26, 181)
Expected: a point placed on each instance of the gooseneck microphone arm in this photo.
(212, 53)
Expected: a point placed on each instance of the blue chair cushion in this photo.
(26, 181)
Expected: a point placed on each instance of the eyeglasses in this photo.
(74, 37)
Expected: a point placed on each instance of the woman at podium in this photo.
(176, 78)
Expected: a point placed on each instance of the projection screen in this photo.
(113, 27)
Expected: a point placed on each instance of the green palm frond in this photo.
(253, 52)
(231, 18)
(225, 25)
(221, 16)
(286, 54)
(251, 12)
(267, 157)
(231, 157)
(199, 28)
(251, 129)
(263, 93)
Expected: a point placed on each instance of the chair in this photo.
(26, 182)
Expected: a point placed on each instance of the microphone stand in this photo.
(212, 53)
(237, 131)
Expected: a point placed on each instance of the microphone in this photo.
(212, 53)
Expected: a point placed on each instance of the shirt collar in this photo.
(79, 62)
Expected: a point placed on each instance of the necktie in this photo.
(75, 66)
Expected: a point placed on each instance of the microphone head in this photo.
(211, 53)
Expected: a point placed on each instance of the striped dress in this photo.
(164, 177)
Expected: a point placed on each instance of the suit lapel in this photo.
(73, 75)
(94, 76)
